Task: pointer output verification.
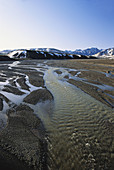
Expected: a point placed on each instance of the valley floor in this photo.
(22, 85)
(95, 77)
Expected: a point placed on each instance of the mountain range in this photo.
(89, 52)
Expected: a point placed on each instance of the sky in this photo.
(62, 24)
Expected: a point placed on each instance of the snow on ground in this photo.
(106, 57)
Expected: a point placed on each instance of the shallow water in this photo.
(14, 99)
(79, 128)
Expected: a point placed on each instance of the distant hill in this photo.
(5, 51)
(52, 53)
(5, 58)
(87, 52)
(108, 53)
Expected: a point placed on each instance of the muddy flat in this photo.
(92, 76)
(22, 132)
(23, 86)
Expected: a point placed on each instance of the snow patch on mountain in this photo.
(5, 51)
(107, 53)
(87, 52)
(99, 53)
(17, 54)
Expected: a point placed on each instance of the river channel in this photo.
(79, 128)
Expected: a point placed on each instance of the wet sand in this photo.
(23, 137)
(94, 72)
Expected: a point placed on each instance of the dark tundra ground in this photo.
(22, 134)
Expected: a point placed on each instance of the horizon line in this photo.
(3, 49)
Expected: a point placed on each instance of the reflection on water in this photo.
(79, 128)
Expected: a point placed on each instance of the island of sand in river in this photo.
(22, 85)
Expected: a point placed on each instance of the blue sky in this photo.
(63, 24)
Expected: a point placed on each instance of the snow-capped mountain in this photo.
(51, 50)
(108, 53)
(88, 51)
(17, 54)
(5, 51)
(52, 53)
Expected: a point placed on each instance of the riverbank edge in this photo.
(24, 135)
(96, 65)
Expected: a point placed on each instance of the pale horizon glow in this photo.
(61, 24)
